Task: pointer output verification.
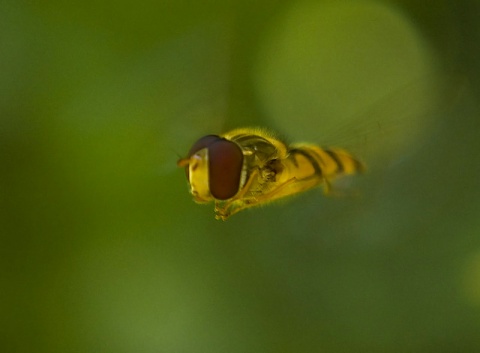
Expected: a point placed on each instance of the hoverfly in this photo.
(248, 167)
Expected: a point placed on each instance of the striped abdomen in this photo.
(326, 163)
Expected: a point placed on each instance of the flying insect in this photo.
(248, 167)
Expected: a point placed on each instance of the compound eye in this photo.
(201, 143)
(225, 168)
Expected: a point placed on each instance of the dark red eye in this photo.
(225, 168)
(203, 142)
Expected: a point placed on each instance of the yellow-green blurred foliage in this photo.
(102, 248)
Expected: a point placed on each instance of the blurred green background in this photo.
(103, 249)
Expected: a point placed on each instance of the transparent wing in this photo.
(399, 122)
(395, 124)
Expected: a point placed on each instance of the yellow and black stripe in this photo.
(327, 163)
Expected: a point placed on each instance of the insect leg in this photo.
(222, 207)
(290, 187)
